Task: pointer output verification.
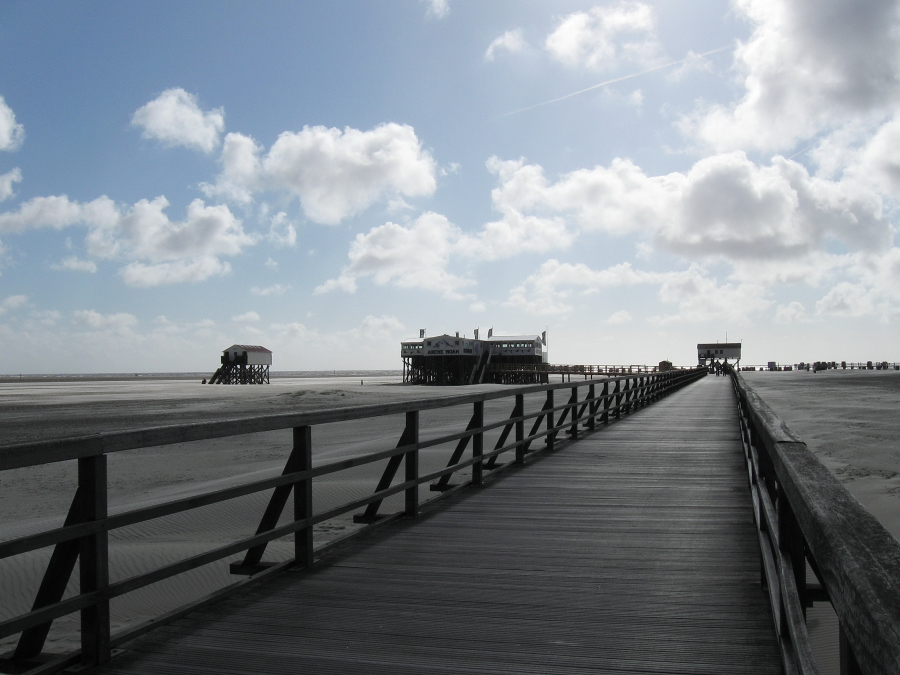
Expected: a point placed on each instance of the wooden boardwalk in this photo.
(630, 551)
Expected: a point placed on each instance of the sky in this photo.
(328, 178)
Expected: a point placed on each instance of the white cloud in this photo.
(175, 118)
(335, 174)
(874, 288)
(12, 302)
(724, 206)
(790, 313)
(6, 183)
(271, 264)
(806, 67)
(281, 230)
(75, 264)
(89, 318)
(605, 36)
(478, 307)
(11, 132)
(175, 272)
(693, 62)
(377, 326)
(636, 98)
(521, 189)
(620, 317)
(700, 298)
(548, 290)
(511, 41)
(247, 317)
(408, 257)
(437, 9)
(57, 212)
(241, 170)
(143, 233)
(274, 289)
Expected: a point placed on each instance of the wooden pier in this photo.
(619, 537)
(630, 551)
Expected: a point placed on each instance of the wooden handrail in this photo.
(85, 534)
(803, 513)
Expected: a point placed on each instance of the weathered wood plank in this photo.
(632, 550)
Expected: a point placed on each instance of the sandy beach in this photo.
(848, 419)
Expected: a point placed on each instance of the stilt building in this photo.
(243, 364)
(453, 360)
(721, 352)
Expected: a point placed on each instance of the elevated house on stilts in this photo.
(243, 364)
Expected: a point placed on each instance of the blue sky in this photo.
(326, 179)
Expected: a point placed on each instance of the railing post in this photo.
(592, 407)
(604, 418)
(573, 412)
(303, 495)
(520, 428)
(478, 443)
(550, 420)
(94, 560)
(412, 464)
(618, 399)
(790, 540)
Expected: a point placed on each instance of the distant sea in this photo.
(275, 374)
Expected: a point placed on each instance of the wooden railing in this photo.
(803, 514)
(84, 536)
(561, 368)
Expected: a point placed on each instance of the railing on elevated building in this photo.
(83, 539)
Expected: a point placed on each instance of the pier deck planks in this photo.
(630, 551)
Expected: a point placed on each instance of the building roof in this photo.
(249, 348)
(510, 338)
(720, 345)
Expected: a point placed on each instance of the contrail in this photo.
(618, 79)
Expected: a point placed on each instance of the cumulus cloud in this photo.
(11, 132)
(724, 206)
(94, 320)
(873, 288)
(548, 290)
(76, 264)
(701, 298)
(604, 36)
(698, 296)
(274, 289)
(437, 9)
(335, 174)
(12, 302)
(620, 317)
(241, 172)
(805, 68)
(246, 317)
(6, 183)
(161, 251)
(407, 257)
(175, 118)
(527, 224)
(175, 272)
(511, 41)
(790, 313)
